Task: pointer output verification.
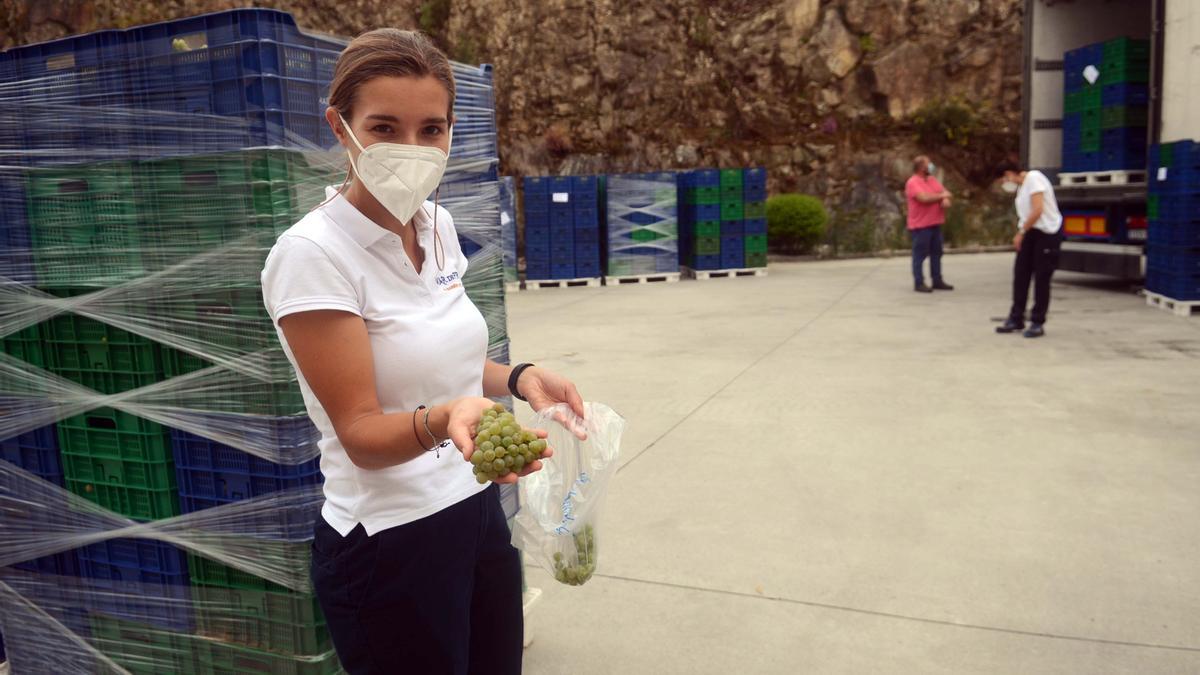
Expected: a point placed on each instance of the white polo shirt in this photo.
(1035, 182)
(428, 341)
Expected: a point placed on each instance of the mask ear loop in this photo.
(349, 165)
(439, 251)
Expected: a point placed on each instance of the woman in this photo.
(411, 562)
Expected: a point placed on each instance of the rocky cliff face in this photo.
(822, 92)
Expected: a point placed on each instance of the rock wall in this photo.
(821, 92)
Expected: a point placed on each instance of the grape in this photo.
(502, 446)
(576, 572)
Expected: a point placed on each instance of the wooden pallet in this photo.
(538, 284)
(1176, 307)
(662, 277)
(1119, 177)
(512, 286)
(704, 275)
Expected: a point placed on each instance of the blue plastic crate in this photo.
(705, 178)
(1174, 286)
(754, 194)
(537, 271)
(732, 228)
(37, 452)
(1125, 93)
(754, 226)
(584, 185)
(734, 245)
(222, 474)
(706, 262)
(537, 219)
(139, 580)
(16, 258)
(587, 217)
(754, 177)
(562, 217)
(707, 211)
(587, 269)
(64, 564)
(560, 184)
(559, 270)
(1168, 233)
(589, 235)
(1124, 138)
(1174, 260)
(535, 185)
(537, 203)
(537, 235)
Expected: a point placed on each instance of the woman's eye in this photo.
(382, 129)
(433, 131)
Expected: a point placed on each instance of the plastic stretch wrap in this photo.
(508, 226)
(643, 227)
(166, 526)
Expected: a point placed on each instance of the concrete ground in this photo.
(825, 472)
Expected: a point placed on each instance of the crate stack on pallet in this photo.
(1173, 245)
(723, 219)
(508, 230)
(562, 227)
(642, 227)
(137, 325)
(1106, 95)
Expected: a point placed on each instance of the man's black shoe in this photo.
(1010, 326)
(922, 288)
(1035, 331)
(942, 286)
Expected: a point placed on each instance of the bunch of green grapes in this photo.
(585, 560)
(502, 446)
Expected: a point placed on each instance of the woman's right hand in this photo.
(463, 417)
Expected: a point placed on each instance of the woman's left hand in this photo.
(544, 389)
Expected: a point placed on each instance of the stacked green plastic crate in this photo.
(1106, 96)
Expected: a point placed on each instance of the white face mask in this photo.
(1009, 186)
(400, 176)
(930, 168)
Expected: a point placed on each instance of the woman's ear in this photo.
(335, 123)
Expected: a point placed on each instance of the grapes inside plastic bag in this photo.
(558, 524)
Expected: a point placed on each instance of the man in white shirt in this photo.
(1038, 240)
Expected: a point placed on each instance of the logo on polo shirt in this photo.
(448, 282)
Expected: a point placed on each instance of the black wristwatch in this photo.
(512, 381)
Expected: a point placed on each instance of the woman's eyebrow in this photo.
(384, 118)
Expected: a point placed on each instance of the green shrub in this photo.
(795, 223)
(950, 121)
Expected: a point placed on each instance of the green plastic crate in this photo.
(84, 225)
(131, 502)
(756, 259)
(646, 234)
(142, 649)
(702, 195)
(756, 243)
(1090, 141)
(1124, 49)
(151, 476)
(288, 622)
(1117, 116)
(205, 572)
(731, 178)
(754, 210)
(1090, 119)
(1152, 207)
(217, 658)
(28, 345)
(708, 228)
(732, 209)
(1087, 99)
(101, 357)
(107, 432)
(706, 246)
(1129, 72)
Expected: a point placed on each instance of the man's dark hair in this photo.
(1008, 165)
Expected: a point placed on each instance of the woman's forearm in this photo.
(384, 440)
(495, 379)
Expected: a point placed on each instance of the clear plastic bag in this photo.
(558, 524)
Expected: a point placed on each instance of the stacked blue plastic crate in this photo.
(562, 227)
(1105, 106)
(1173, 240)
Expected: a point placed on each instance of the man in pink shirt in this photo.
(927, 202)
